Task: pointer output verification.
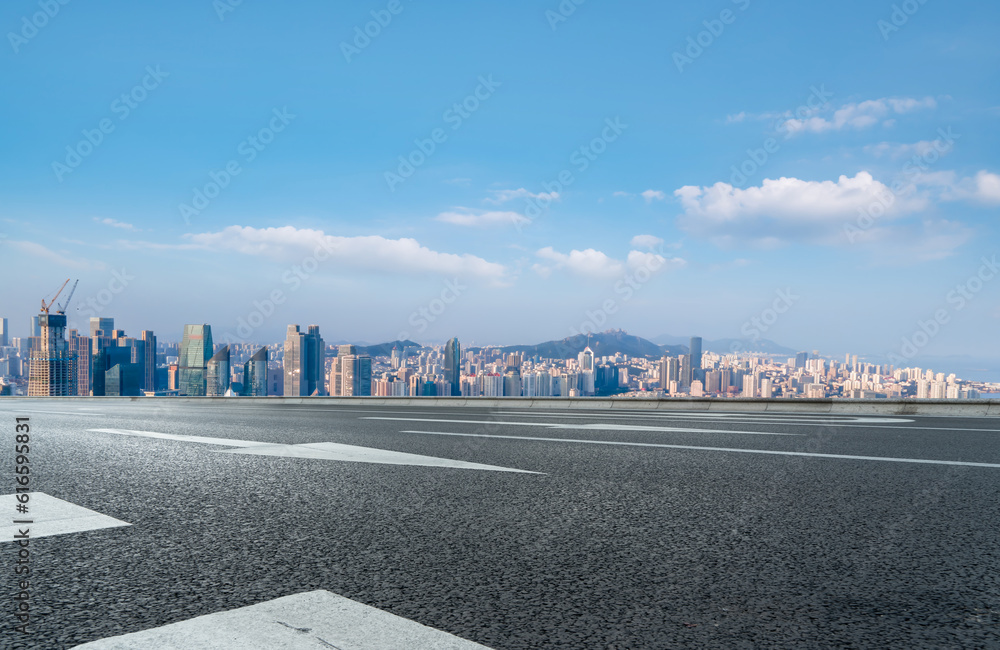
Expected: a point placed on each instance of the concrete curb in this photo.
(965, 408)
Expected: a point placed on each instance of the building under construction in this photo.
(52, 367)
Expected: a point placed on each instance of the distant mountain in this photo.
(604, 344)
(384, 349)
(726, 346)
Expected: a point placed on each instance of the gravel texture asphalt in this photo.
(607, 546)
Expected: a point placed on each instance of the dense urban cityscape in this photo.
(56, 362)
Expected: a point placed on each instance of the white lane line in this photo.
(51, 516)
(594, 427)
(322, 451)
(314, 619)
(727, 417)
(740, 451)
(227, 442)
(54, 412)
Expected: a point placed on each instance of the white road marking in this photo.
(741, 451)
(314, 619)
(727, 417)
(226, 442)
(593, 426)
(16, 411)
(322, 451)
(51, 516)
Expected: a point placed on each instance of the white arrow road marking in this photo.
(596, 427)
(51, 516)
(314, 619)
(320, 450)
(741, 451)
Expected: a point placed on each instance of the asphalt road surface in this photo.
(515, 528)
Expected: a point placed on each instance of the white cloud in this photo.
(903, 245)
(654, 195)
(590, 262)
(482, 219)
(503, 196)
(116, 224)
(625, 195)
(984, 187)
(737, 118)
(859, 115)
(594, 264)
(896, 150)
(787, 209)
(59, 258)
(988, 187)
(370, 253)
(646, 241)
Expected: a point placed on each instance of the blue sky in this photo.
(867, 133)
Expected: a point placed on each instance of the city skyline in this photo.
(683, 176)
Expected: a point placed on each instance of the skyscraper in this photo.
(149, 371)
(52, 367)
(351, 373)
(452, 368)
(106, 325)
(305, 362)
(196, 350)
(800, 359)
(586, 359)
(217, 373)
(4, 333)
(255, 374)
(36, 327)
(696, 371)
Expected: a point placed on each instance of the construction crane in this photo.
(46, 307)
(64, 306)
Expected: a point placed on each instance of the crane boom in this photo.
(46, 307)
(63, 307)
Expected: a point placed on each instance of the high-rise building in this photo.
(196, 350)
(586, 359)
(800, 359)
(670, 370)
(696, 371)
(351, 373)
(52, 367)
(255, 374)
(452, 366)
(686, 372)
(4, 333)
(106, 325)
(114, 372)
(36, 327)
(149, 370)
(79, 346)
(217, 375)
(305, 362)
